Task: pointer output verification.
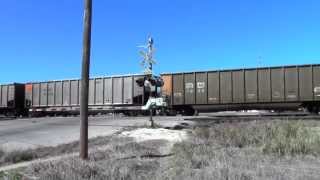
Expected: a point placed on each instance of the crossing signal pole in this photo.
(148, 56)
(85, 79)
(147, 63)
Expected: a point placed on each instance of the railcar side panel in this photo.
(291, 84)
(201, 88)
(51, 93)
(36, 94)
(4, 95)
(251, 85)
(138, 91)
(28, 95)
(167, 87)
(178, 89)
(316, 82)
(213, 88)
(277, 84)
(117, 90)
(98, 91)
(91, 91)
(108, 91)
(225, 87)
(127, 90)
(264, 85)
(11, 96)
(238, 86)
(74, 92)
(43, 94)
(305, 83)
(58, 94)
(66, 93)
(189, 88)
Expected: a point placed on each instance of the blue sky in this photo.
(42, 40)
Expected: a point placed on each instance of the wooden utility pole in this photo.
(85, 79)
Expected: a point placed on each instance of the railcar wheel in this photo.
(188, 111)
(133, 113)
(162, 112)
(196, 113)
(172, 112)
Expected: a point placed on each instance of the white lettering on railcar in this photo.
(212, 99)
(189, 85)
(177, 94)
(251, 96)
(201, 85)
(292, 96)
(189, 88)
(276, 94)
(316, 90)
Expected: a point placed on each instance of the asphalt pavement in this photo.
(51, 131)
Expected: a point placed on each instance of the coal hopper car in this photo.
(275, 88)
(124, 94)
(12, 100)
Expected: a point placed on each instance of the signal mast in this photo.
(148, 56)
(150, 82)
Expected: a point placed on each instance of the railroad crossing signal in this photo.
(148, 56)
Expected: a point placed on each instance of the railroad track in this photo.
(229, 118)
(3, 118)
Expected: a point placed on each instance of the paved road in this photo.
(51, 131)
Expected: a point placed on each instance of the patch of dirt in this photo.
(145, 134)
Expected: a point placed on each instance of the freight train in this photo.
(272, 88)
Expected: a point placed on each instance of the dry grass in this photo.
(239, 151)
(200, 161)
(255, 150)
(123, 159)
(17, 156)
(292, 139)
(277, 137)
(10, 176)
